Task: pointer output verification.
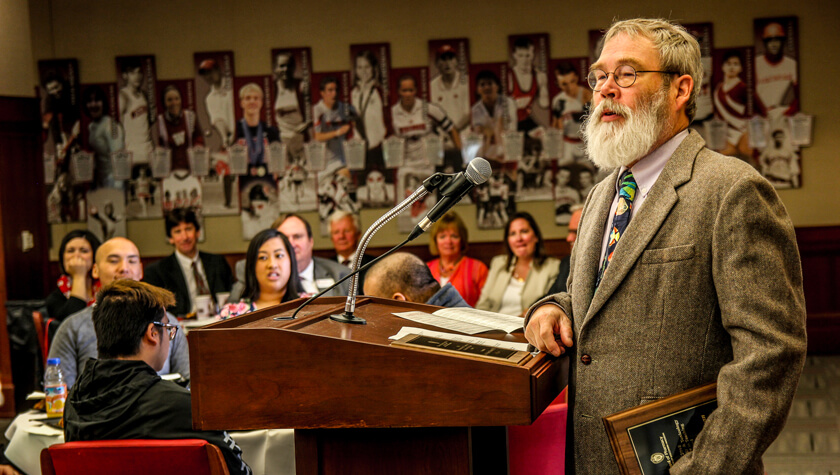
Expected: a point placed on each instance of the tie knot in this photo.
(627, 185)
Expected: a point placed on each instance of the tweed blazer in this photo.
(705, 285)
(537, 283)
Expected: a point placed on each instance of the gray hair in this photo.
(338, 215)
(678, 50)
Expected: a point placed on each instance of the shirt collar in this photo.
(184, 260)
(309, 272)
(648, 169)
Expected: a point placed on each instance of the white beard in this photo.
(612, 145)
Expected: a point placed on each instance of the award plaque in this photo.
(648, 439)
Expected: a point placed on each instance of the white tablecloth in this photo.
(269, 452)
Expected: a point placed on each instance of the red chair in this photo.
(540, 448)
(134, 457)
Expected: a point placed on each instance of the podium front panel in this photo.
(253, 372)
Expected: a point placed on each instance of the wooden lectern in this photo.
(358, 404)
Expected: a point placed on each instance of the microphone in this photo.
(477, 172)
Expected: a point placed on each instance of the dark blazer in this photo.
(166, 273)
(365, 260)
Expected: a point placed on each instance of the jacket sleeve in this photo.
(488, 301)
(179, 353)
(758, 279)
(60, 307)
(64, 347)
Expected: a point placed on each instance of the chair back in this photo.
(134, 457)
(540, 448)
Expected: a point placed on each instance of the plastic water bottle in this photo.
(55, 388)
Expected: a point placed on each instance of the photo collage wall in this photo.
(296, 140)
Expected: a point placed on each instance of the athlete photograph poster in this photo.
(419, 124)
(334, 123)
(449, 88)
(527, 82)
(103, 136)
(705, 110)
(596, 44)
(175, 126)
(137, 104)
(214, 72)
(570, 100)
(59, 93)
(492, 112)
(290, 101)
(370, 74)
(733, 92)
(777, 97)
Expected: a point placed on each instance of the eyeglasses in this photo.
(173, 329)
(624, 75)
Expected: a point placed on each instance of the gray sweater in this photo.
(75, 343)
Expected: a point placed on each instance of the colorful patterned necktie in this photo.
(626, 195)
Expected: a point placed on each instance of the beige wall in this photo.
(97, 30)
(17, 69)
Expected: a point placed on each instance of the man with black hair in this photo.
(75, 341)
(404, 276)
(119, 395)
(188, 273)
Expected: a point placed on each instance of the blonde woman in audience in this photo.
(449, 240)
(522, 276)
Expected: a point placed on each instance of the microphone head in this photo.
(478, 171)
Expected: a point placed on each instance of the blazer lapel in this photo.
(643, 227)
(587, 252)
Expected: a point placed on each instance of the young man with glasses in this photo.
(75, 340)
(685, 269)
(120, 395)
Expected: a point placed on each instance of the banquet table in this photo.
(268, 451)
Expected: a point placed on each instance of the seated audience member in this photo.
(119, 395)
(345, 231)
(449, 238)
(75, 340)
(316, 273)
(188, 272)
(560, 283)
(524, 275)
(271, 275)
(404, 276)
(76, 287)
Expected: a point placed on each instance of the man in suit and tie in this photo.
(316, 273)
(685, 269)
(188, 272)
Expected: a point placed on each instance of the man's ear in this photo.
(94, 272)
(153, 335)
(685, 84)
(399, 296)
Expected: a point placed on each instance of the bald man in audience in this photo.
(75, 341)
(404, 276)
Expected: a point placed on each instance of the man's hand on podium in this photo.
(549, 325)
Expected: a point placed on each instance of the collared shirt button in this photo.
(585, 359)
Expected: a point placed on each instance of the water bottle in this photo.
(55, 388)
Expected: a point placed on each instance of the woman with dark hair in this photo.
(271, 275)
(522, 276)
(448, 239)
(76, 286)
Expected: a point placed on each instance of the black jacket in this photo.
(126, 399)
(167, 274)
